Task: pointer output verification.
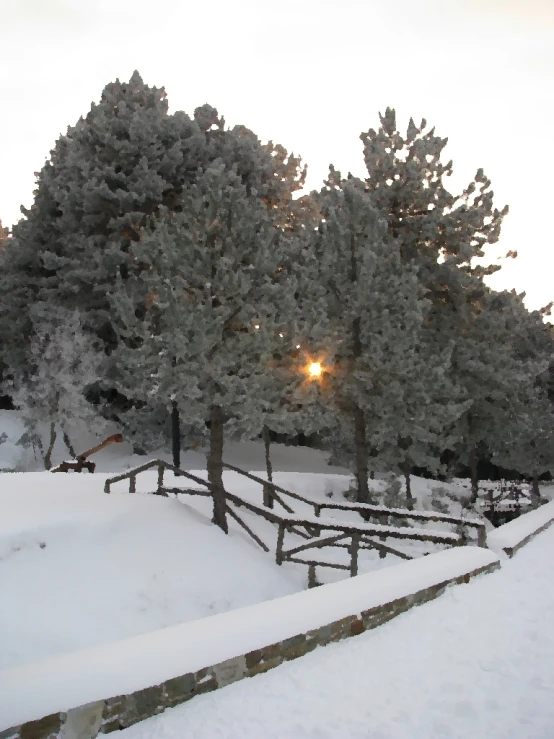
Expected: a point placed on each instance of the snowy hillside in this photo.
(80, 568)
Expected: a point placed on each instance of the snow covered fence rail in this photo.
(366, 510)
(162, 466)
(359, 535)
(513, 535)
(112, 686)
(307, 526)
(276, 493)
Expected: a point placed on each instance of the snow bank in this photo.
(79, 568)
(35, 690)
(513, 535)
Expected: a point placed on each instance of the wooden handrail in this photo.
(367, 508)
(268, 484)
(398, 513)
(161, 465)
(358, 533)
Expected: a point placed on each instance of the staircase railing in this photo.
(348, 535)
(366, 510)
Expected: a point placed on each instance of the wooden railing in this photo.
(510, 502)
(348, 535)
(273, 492)
(367, 511)
(359, 536)
(131, 475)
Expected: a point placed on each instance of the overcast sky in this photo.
(311, 75)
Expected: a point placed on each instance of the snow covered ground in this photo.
(478, 662)
(120, 457)
(80, 568)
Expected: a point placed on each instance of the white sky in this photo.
(311, 75)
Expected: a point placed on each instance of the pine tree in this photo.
(426, 422)
(443, 234)
(62, 362)
(17, 295)
(440, 233)
(106, 183)
(4, 235)
(497, 366)
(367, 314)
(210, 276)
(406, 181)
(105, 180)
(526, 443)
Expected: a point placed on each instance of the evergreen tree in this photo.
(527, 442)
(527, 445)
(106, 180)
(17, 295)
(4, 235)
(210, 276)
(62, 362)
(426, 422)
(497, 366)
(439, 232)
(406, 181)
(367, 312)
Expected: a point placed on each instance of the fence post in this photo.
(312, 580)
(268, 497)
(482, 537)
(280, 540)
(133, 484)
(354, 547)
(107, 486)
(160, 476)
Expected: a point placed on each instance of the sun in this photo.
(315, 369)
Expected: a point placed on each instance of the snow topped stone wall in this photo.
(513, 535)
(110, 687)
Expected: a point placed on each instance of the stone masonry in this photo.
(119, 712)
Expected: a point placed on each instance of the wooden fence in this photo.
(348, 535)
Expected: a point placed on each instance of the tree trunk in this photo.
(268, 500)
(67, 442)
(362, 456)
(535, 491)
(175, 435)
(215, 468)
(53, 415)
(474, 478)
(37, 447)
(407, 477)
(48, 455)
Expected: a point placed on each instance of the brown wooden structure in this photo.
(348, 535)
(81, 462)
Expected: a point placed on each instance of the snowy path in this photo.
(478, 662)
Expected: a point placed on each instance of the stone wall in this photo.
(119, 712)
(511, 537)
(510, 551)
